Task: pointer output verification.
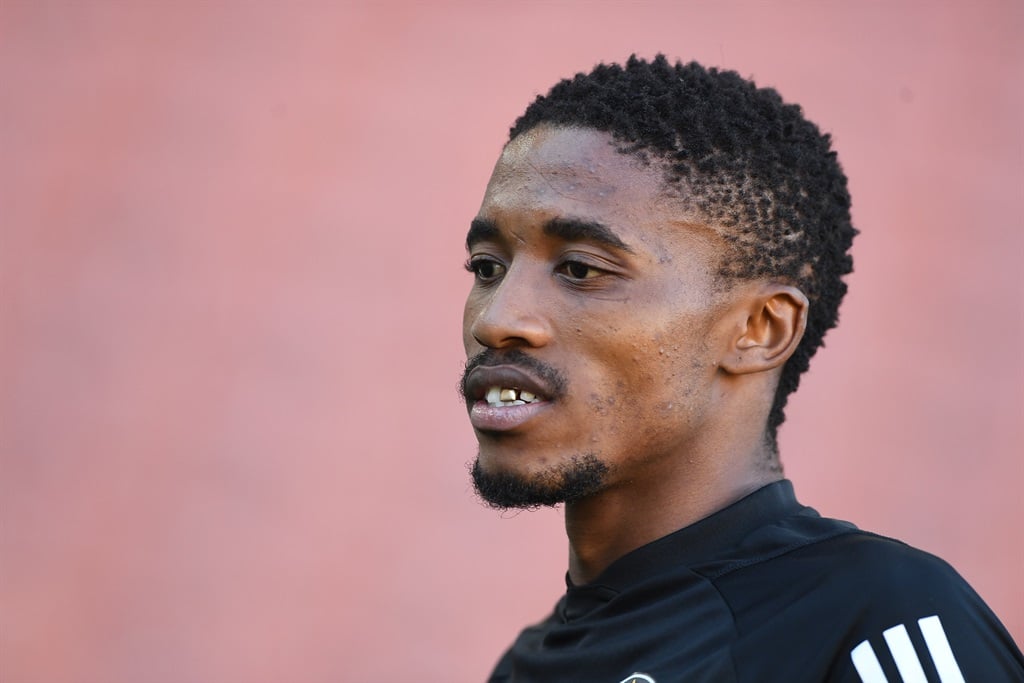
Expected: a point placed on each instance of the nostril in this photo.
(478, 340)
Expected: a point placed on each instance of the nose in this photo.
(508, 315)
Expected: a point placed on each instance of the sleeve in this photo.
(918, 621)
(861, 608)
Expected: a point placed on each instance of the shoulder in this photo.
(880, 579)
(880, 569)
(864, 600)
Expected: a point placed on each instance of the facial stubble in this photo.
(579, 476)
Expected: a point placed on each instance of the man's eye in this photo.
(485, 269)
(578, 270)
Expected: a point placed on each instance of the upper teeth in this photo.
(505, 396)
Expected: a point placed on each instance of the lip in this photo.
(491, 419)
(483, 377)
(487, 418)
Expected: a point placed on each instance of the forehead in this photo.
(570, 166)
(554, 172)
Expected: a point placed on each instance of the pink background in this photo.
(230, 304)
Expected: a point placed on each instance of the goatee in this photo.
(584, 475)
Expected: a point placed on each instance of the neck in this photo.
(604, 527)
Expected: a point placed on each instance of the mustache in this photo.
(555, 380)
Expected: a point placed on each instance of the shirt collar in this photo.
(697, 543)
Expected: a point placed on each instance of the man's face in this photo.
(593, 324)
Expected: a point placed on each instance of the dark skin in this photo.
(585, 264)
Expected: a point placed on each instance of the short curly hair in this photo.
(749, 162)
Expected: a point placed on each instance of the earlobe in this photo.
(776, 317)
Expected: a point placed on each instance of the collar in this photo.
(698, 543)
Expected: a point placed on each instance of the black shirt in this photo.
(768, 590)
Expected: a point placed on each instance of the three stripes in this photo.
(907, 663)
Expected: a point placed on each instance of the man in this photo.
(659, 252)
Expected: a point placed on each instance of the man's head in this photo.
(637, 217)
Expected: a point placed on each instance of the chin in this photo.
(579, 477)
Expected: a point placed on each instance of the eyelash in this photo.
(565, 267)
(476, 264)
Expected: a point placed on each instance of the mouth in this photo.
(510, 396)
(503, 398)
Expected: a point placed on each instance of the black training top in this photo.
(767, 590)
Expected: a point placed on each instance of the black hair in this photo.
(749, 162)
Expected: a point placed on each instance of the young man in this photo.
(658, 255)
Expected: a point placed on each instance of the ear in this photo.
(776, 316)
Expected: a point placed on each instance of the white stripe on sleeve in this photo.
(938, 646)
(903, 652)
(867, 665)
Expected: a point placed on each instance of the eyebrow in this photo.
(481, 230)
(568, 229)
(576, 229)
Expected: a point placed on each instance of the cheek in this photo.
(661, 371)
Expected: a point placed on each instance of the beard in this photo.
(582, 476)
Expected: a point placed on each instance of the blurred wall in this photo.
(230, 303)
